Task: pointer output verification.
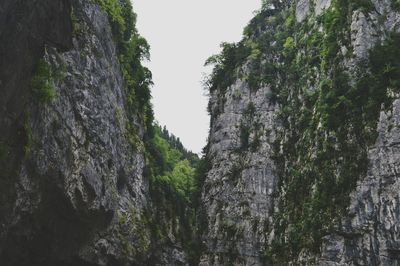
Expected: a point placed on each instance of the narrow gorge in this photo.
(301, 166)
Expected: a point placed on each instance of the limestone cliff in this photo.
(304, 138)
(302, 162)
(75, 128)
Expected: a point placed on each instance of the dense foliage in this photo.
(175, 143)
(173, 166)
(42, 82)
(173, 186)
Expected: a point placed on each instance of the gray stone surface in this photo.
(73, 191)
(302, 10)
(79, 163)
(239, 207)
(238, 202)
(321, 5)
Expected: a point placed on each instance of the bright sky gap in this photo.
(182, 35)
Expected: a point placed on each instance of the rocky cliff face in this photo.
(302, 161)
(304, 138)
(238, 191)
(72, 147)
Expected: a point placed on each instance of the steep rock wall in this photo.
(78, 173)
(72, 151)
(238, 191)
(294, 178)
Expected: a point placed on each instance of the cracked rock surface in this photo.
(241, 192)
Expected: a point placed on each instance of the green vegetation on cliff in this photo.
(173, 166)
(169, 162)
(132, 49)
(42, 82)
(170, 168)
(329, 113)
(174, 188)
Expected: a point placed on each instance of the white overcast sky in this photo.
(182, 35)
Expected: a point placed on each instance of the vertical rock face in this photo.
(238, 188)
(78, 178)
(73, 188)
(22, 45)
(369, 233)
(275, 193)
(303, 148)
